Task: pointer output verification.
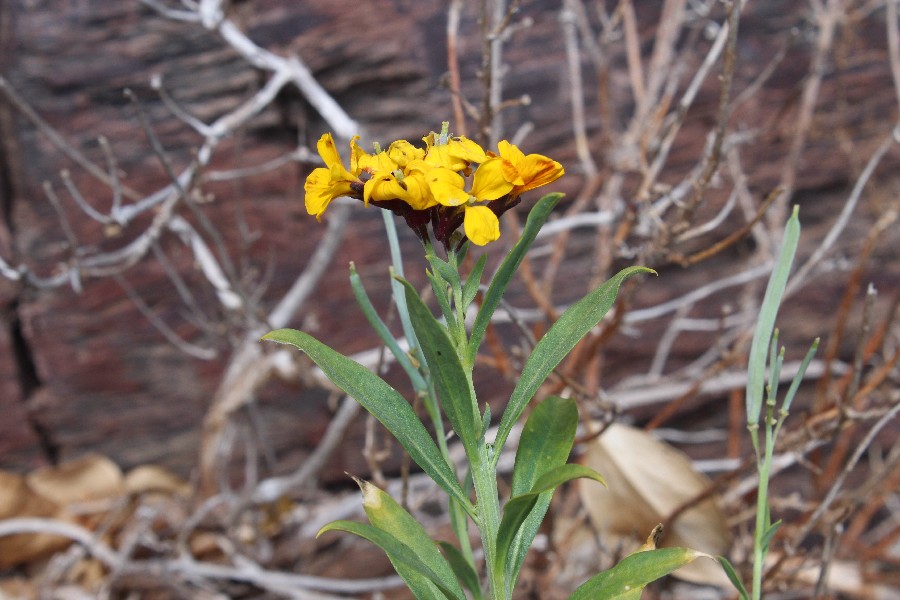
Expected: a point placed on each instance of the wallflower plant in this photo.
(450, 183)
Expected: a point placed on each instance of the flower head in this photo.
(452, 182)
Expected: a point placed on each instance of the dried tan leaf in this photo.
(153, 478)
(648, 481)
(91, 477)
(17, 588)
(17, 500)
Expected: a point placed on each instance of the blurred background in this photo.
(152, 226)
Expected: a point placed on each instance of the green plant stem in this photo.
(762, 507)
(487, 507)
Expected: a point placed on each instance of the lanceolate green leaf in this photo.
(546, 441)
(362, 298)
(626, 580)
(386, 514)
(759, 347)
(545, 444)
(384, 402)
(734, 577)
(401, 555)
(573, 325)
(453, 385)
(463, 569)
(536, 217)
(471, 286)
(517, 509)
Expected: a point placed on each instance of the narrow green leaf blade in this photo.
(362, 298)
(536, 218)
(384, 402)
(465, 572)
(733, 576)
(633, 573)
(559, 340)
(759, 347)
(518, 508)
(546, 441)
(560, 475)
(453, 385)
(769, 534)
(545, 444)
(470, 289)
(403, 558)
(386, 514)
(440, 292)
(445, 270)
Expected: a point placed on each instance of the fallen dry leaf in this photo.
(648, 481)
(18, 499)
(88, 478)
(152, 478)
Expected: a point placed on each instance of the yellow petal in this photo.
(383, 186)
(328, 152)
(402, 152)
(465, 149)
(418, 193)
(510, 152)
(535, 170)
(538, 170)
(357, 155)
(447, 186)
(490, 180)
(320, 191)
(481, 225)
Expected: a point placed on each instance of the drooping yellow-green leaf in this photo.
(386, 514)
(626, 580)
(402, 557)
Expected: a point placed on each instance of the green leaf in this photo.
(517, 509)
(769, 534)
(440, 292)
(759, 347)
(546, 441)
(732, 574)
(447, 272)
(626, 580)
(387, 515)
(403, 558)
(384, 402)
(536, 218)
(572, 325)
(470, 289)
(362, 298)
(463, 569)
(545, 444)
(453, 385)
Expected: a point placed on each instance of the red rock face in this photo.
(90, 371)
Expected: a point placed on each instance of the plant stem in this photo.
(488, 507)
(762, 506)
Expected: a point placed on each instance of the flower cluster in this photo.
(452, 182)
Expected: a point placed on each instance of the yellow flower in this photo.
(327, 183)
(534, 170)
